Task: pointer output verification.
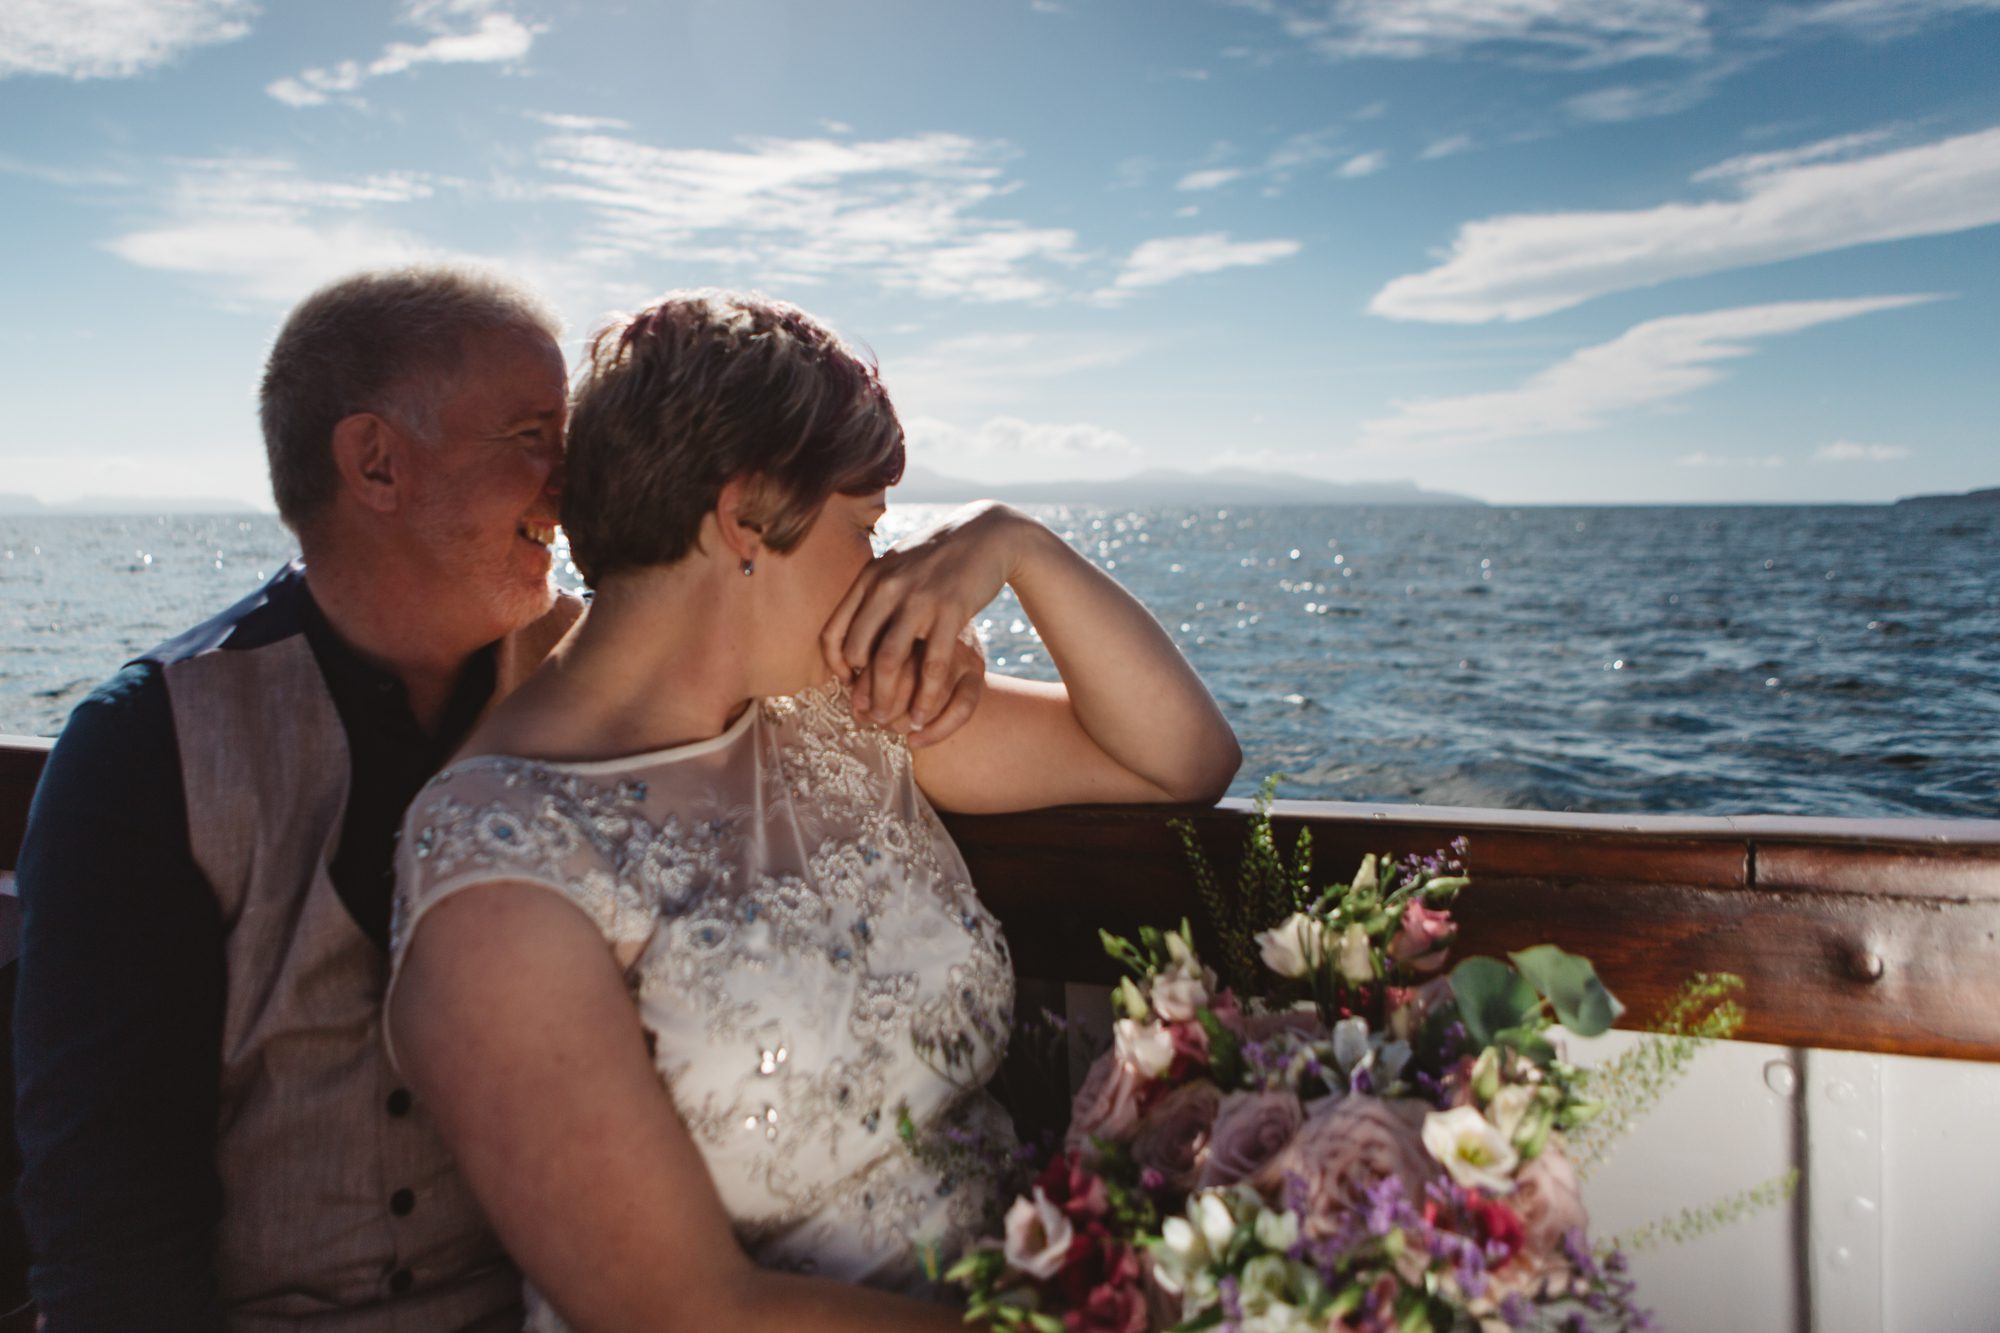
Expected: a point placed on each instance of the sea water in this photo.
(1803, 660)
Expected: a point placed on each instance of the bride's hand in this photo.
(920, 594)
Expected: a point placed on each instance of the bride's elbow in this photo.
(1208, 776)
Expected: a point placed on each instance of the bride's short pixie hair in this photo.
(699, 389)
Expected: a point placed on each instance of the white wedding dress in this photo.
(805, 950)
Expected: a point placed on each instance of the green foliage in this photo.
(1690, 1223)
(1492, 998)
(1570, 985)
(1268, 889)
(1623, 1090)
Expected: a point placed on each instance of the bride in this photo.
(689, 853)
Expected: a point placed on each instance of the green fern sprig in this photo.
(1268, 889)
(1690, 1223)
(1703, 1010)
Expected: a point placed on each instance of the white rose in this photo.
(1278, 1231)
(1294, 947)
(1178, 994)
(1146, 1047)
(1038, 1236)
(1477, 1154)
(1356, 960)
(1508, 1106)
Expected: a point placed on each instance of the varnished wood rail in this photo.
(1869, 935)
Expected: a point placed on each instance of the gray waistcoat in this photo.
(316, 1143)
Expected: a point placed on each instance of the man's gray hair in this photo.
(390, 342)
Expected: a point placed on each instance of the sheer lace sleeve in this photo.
(494, 819)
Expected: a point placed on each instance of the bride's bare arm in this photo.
(514, 1027)
(1130, 720)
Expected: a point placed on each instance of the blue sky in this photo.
(1531, 250)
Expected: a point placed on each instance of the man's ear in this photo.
(736, 517)
(369, 453)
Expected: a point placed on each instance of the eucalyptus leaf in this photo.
(1491, 998)
(1570, 983)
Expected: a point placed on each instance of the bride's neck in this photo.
(660, 659)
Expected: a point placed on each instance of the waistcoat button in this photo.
(402, 1202)
(401, 1281)
(399, 1102)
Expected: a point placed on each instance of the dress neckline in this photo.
(618, 763)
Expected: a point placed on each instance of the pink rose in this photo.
(1549, 1203)
(1347, 1145)
(1173, 1135)
(1107, 1105)
(1423, 939)
(1251, 1129)
(1190, 1049)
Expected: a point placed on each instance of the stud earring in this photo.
(749, 568)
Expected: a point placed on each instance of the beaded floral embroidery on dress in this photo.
(803, 945)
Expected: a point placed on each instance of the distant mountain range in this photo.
(1168, 487)
(1989, 496)
(15, 504)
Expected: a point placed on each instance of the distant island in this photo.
(13, 504)
(1167, 487)
(1988, 496)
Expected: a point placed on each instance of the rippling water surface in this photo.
(1841, 661)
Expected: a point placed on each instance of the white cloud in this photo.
(1445, 147)
(939, 441)
(1573, 34)
(1363, 164)
(111, 39)
(1649, 363)
(1173, 257)
(1640, 101)
(1875, 19)
(958, 376)
(907, 212)
(1522, 265)
(1847, 451)
(493, 37)
(268, 233)
(1207, 180)
(1702, 458)
(1761, 164)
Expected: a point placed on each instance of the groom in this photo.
(212, 1136)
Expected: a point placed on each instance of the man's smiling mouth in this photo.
(541, 534)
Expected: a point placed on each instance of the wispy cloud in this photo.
(111, 39)
(1363, 164)
(1573, 34)
(1207, 180)
(1519, 266)
(1641, 101)
(461, 32)
(1445, 147)
(267, 232)
(1173, 257)
(1874, 19)
(1761, 164)
(907, 212)
(933, 440)
(1848, 451)
(1649, 363)
(960, 376)
(1702, 458)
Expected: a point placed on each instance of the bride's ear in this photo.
(736, 519)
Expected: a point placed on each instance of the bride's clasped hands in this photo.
(680, 937)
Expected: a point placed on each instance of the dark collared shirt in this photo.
(118, 1021)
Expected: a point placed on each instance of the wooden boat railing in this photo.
(1878, 935)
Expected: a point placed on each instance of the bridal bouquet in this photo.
(1349, 1137)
